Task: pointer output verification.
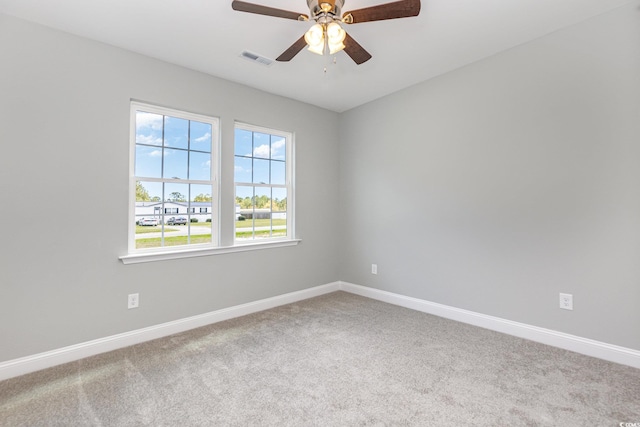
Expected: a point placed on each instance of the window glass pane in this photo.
(279, 220)
(200, 202)
(148, 191)
(200, 221)
(278, 172)
(242, 169)
(148, 161)
(261, 145)
(200, 166)
(244, 212)
(278, 147)
(200, 136)
(176, 132)
(175, 163)
(148, 214)
(148, 128)
(244, 196)
(243, 143)
(279, 199)
(176, 193)
(279, 214)
(260, 171)
(262, 212)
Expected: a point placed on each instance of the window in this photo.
(173, 170)
(175, 187)
(263, 184)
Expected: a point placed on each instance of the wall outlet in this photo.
(566, 301)
(133, 300)
(374, 268)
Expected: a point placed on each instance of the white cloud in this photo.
(278, 145)
(204, 138)
(148, 139)
(155, 153)
(148, 120)
(261, 151)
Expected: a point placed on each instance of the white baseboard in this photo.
(610, 352)
(613, 353)
(25, 365)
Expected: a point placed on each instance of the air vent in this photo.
(256, 58)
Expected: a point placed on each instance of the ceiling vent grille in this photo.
(256, 58)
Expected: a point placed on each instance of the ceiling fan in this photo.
(327, 36)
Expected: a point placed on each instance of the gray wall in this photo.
(64, 133)
(495, 187)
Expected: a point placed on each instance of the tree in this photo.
(279, 205)
(142, 195)
(203, 198)
(176, 197)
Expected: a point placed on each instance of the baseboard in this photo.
(25, 365)
(610, 352)
(613, 353)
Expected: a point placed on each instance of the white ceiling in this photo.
(208, 36)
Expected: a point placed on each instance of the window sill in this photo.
(191, 253)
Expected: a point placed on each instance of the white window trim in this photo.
(289, 184)
(215, 182)
(136, 258)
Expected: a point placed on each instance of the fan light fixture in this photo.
(325, 38)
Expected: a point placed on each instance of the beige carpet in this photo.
(335, 360)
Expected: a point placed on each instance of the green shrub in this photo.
(194, 219)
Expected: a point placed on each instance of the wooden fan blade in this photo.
(397, 9)
(355, 51)
(293, 50)
(243, 6)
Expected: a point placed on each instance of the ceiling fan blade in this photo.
(355, 51)
(397, 9)
(243, 6)
(293, 50)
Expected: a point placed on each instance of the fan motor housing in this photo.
(318, 8)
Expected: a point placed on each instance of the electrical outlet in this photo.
(133, 300)
(374, 268)
(566, 301)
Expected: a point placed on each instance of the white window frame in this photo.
(135, 256)
(214, 182)
(289, 184)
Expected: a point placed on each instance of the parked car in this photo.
(177, 221)
(148, 221)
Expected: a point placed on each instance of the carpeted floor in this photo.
(335, 360)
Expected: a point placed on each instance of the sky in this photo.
(185, 153)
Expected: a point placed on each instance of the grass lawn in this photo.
(260, 223)
(239, 224)
(243, 232)
(172, 241)
(154, 242)
(143, 229)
